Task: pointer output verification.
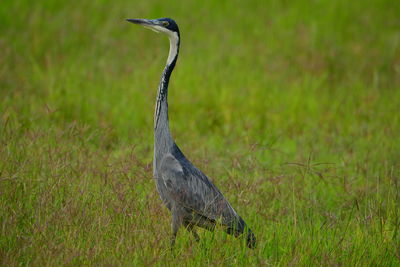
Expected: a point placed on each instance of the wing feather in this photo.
(192, 189)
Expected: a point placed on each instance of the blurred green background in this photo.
(291, 107)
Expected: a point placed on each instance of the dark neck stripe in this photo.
(162, 94)
(163, 88)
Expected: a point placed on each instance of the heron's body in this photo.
(190, 196)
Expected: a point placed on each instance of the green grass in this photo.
(291, 107)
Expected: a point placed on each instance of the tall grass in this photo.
(291, 107)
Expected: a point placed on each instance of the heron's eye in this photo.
(165, 23)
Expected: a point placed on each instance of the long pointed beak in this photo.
(147, 23)
(144, 22)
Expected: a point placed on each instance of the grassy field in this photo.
(291, 107)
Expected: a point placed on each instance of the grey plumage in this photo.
(190, 196)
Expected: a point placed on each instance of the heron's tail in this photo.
(251, 239)
(238, 228)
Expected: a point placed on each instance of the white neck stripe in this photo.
(173, 47)
(173, 42)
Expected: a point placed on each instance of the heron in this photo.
(194, 201)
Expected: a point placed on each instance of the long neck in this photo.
(162, 136)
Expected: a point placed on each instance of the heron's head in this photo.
(164, 25)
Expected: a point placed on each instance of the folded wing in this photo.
(191, 189)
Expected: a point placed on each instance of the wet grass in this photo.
(292, 108)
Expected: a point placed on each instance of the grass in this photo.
(291, 107)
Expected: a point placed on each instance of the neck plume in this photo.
(161, 111)
(162, 137)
